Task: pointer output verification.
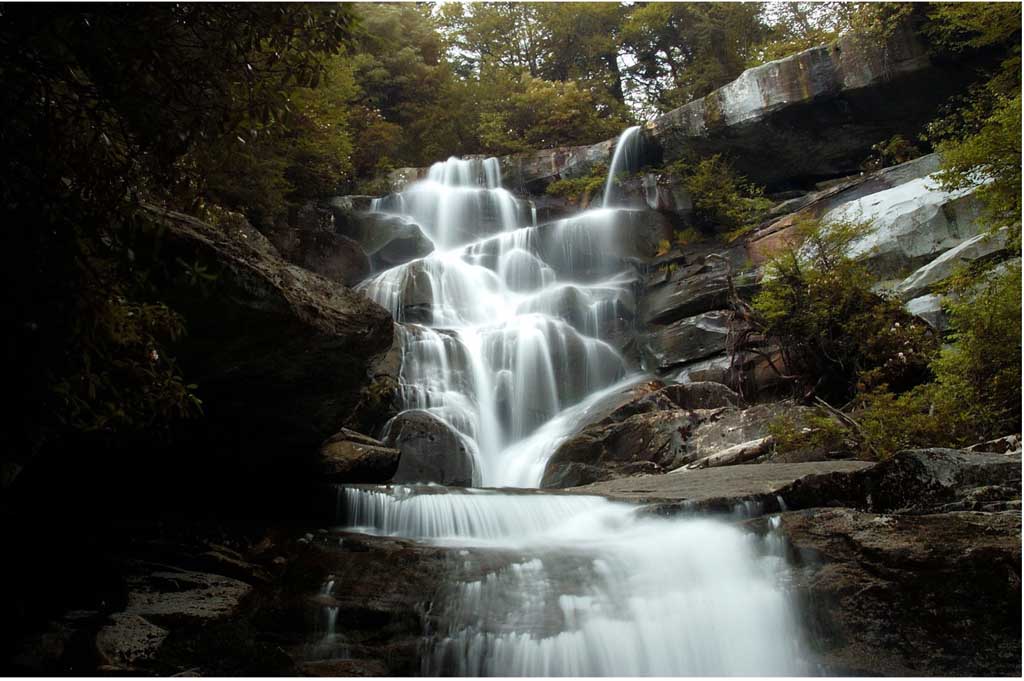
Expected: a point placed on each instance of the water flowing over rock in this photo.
(505, 338)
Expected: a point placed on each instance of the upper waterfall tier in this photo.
(504, 329)
(458, 202)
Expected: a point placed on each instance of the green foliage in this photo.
(981, 372)
(579, 189)
(980, 142)
(817, 431)
(723, 200)
(531, 113)
(836, 335)
(988, 158)
(891, 152)
(683, 51)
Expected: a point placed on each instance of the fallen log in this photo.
(741, 453)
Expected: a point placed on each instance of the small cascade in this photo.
(458, 201)
(329, 644)
(626, 158)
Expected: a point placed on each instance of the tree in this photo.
(102, 105)
(836, 335)
(682, 51)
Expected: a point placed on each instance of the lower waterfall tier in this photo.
(592, 588)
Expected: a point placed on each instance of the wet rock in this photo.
(128, 640)
(923, 595)
(389, 240)
(686, 340)
(693, 289)
(643, 443)
(715, 489)
(431, 451)
(597, 243)
(923, 279)
(174, 597)
(348, 456)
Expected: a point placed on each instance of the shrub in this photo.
(809, 431)
(836, 335)
(723, 200)
(579, 189)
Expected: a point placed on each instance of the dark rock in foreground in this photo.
(348, 456)
(899, 595)
(278, 352)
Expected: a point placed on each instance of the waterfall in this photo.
(504, 337)
(625, 158)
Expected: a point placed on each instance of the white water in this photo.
(502, 333)
(626, 157)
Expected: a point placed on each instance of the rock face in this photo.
(714, 489)
(814, 114)
(651, 429)
(351, 457)
(431, 451)
(784, 216)
(897, 595)
(698, 286)
(686, 340)
(920, 481)
(279, 353)
(921, 281)
(389, 240)
(912, 223)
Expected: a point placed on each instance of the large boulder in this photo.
(647, 428)
(698, 286)
(431, 450)
(911, 223)
(780, 228)
(643, 443)
(922, 595)
(351, 457)
(388, 239)
(279, 353)
(920, 481)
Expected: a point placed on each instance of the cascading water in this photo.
(626, 157)
(503, 333)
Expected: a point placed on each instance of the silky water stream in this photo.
(504, 331)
